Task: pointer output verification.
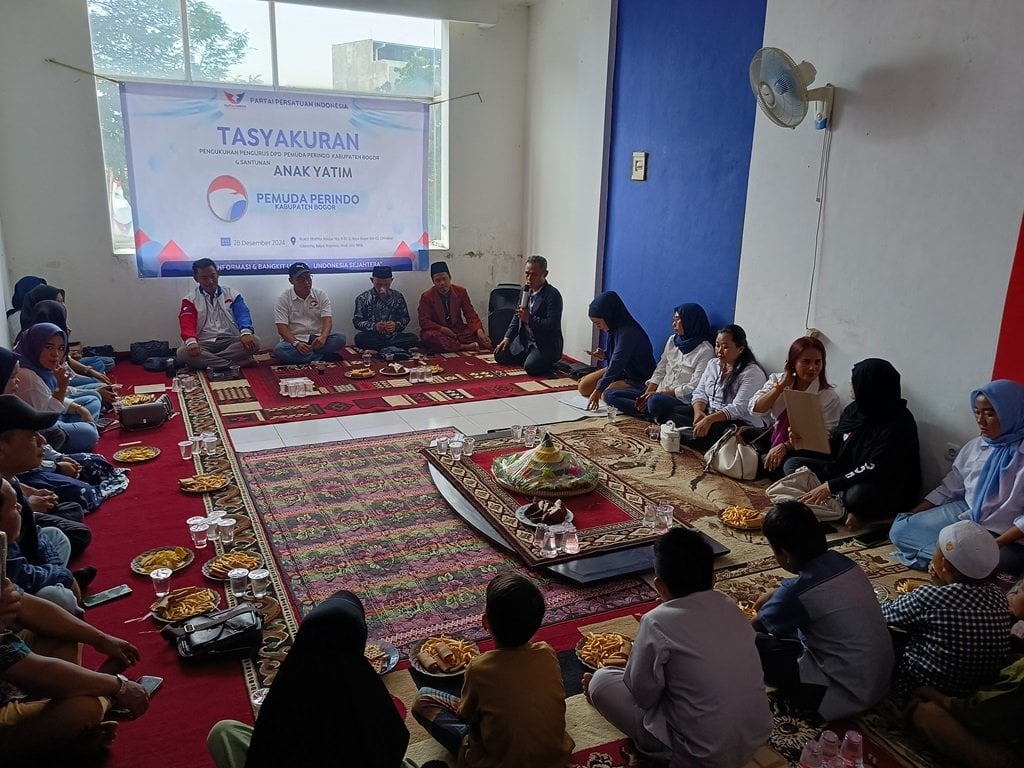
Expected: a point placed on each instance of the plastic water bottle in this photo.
(810, 757)
(852, 750)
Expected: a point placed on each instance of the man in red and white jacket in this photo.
(216, 327)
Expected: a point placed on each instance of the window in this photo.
(277, 45)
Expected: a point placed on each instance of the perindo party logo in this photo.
(234, 97)
(227, 198)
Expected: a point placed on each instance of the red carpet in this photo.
(465, 376)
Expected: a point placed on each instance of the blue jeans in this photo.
(437, 712)
(287, 354)
(81, 436)
(88, 399)
(624, 399)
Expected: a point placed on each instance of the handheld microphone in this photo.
(524, 299)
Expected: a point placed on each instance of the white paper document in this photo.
(576, 400)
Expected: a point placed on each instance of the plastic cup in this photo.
(650, 514)
(197, 445)
(189, 383)
(549, 547)
(538, 535)
(226, 529)
(209, 445)
(216, 514)
(612, 413)
(200, 534)
(367, 357)
(529, 436)
(259, 580)
(468, 446)
(185, 446)
(442, 446)
(654, 431)
(239, 578)
(455, 447)
(257, 698)
(214, 533)
(664, 518)
(161, 580)
(517, 431)
(572, 541)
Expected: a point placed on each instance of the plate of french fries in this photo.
(174, 558)
(908, 585)
(603, 649)
(383, 657)
(744, 518)
(136, 454)
(184, 603)
(360, 373)
(443, 656)
(203, 483)
(219, 567)
(747, 606)
(140, 399)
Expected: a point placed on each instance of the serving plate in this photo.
(186, 555)
(136, 454)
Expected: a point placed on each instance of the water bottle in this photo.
(852, 750)
(810, 757)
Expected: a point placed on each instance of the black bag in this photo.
(575, 371)
(140, 351)
(234, 633)
(225, 373)
(147, 415)
(100, 350)
(159, 363)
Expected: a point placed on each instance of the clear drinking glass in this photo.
(367, 357)
(200, 534)
(560, 534)
(468, 446)
(654, 431)
(185, 446)
(548, 547)
(161, 580)
(259, 580)
(197, 445)
(209, 444)
(572, 541)
(517, 432)
(414, 374)
(650, 514)
(239, 578)
(612, 413)
(216, 514)
(539, 533)
(257, 698)
(664, 518)
(214, 533)
(226, 530)
(529, 436)
(455, 447)
(442, 446)
(852, 749)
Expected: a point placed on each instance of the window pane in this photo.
(137, 38)
(229, 41)
(329, 49)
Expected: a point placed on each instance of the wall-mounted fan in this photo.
(782, 89)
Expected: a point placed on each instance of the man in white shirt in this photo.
(304, 321)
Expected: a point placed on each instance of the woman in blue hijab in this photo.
(683, 360)
(43, 384)
(986, 484)
(630, 358)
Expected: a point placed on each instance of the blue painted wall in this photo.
(682, 94)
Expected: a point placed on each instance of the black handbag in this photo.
(146, 415)
(234, 633)
(140, 351)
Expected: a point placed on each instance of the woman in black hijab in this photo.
(40, 293)
(628, 350)
(327, 705)
(876, 462)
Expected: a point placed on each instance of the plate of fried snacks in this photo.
(383, 657)
(360, 373)
(136, 454)
(394, 369)
(203, 483)
(174, 558)
(443, 656)
(908, 585)
(747, 606)
(744, 518)
(219, 567)
(184, 603)
(140, 399)
(603, 649)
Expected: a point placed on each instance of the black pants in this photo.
(780, 657)
(535, 362)
(867, 501)
(67, 517)
(374, 340)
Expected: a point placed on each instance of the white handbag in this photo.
(795, 485)
(731, 457)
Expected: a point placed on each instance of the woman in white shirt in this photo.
(986, 484)
(804, 371)
(687, 352)
(43, 384)
(722, 396)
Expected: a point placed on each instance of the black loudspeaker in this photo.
(500, 309)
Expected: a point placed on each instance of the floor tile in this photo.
(241, 435)
(375, 430)
(259, 445)
(473, 407)
(363, 420)
(320, 437)
(308, 427)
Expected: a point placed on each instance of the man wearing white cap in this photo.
(304, 321)
(958, 632)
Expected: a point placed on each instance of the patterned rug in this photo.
(364, 515)
(257, 399)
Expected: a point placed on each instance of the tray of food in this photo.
(743, 518)
(443, 656)
(184, 603)
(603, 649)
(394, 369)
(174, 558)
(139, 399)
(383, 657)
(136, 454)
(360, 373)
(218, 567)
(203, 483)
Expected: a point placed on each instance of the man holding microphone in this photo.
(534, 337)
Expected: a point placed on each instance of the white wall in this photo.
(53, 204)
(924, 199)
(567, 101)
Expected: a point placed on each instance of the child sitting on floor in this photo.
(981, 730)
(691, 691)
(821, 636)
(959, 631)
(512, 710)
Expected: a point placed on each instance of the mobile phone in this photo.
(873, 537)
(149, 683)
(106, 595)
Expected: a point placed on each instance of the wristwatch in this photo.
(124, 686)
